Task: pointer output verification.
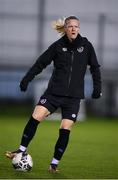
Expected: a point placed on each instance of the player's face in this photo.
(72, 29)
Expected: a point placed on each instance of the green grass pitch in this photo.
(91, 154)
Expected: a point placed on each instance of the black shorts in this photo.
(69, 105)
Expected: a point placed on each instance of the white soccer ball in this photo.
(22, 162)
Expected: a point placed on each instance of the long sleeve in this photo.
(94, 69)
(41, 63)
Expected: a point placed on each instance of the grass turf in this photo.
(91, 154)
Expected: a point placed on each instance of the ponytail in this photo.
(58, 25)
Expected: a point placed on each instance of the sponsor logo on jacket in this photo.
(80, 49)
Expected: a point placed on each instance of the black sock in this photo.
(61, 143)
(29, 131)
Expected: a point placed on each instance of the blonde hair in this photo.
(59, 24)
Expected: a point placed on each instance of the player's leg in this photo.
(63, 138)
(69, 115)
(38, 115)
(61, 143)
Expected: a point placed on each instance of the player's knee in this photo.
(40, 113)
(38, 116)
(66, 124)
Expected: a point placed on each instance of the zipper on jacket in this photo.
(71, 68)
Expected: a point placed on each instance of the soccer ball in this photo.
(22, 162)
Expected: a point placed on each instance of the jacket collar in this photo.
(75, 43)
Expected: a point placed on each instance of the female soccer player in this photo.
(71, 55)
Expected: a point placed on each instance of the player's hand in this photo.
(96, 94)
(23, 85)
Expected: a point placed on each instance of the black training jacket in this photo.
(70, 61)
